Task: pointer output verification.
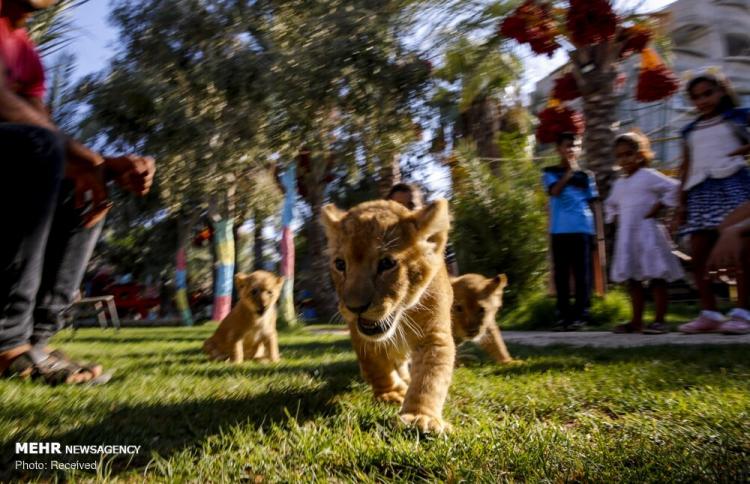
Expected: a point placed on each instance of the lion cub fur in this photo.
(395, 295)
(249, 330)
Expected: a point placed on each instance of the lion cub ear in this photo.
(499, 282)
(433, 222)
(330, 217)
(239, 279)
(280, 282)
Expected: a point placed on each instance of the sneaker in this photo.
(707, 322)
(656, 328)
(739, 322)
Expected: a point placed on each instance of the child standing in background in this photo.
(715, 181)
(642, 250)
(571, 192)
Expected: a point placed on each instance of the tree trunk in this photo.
(322, 289)
(287, 313)
(596, 72)
(390, 174)
(184, 229)
(481, 123)
(238, 244)
(221, 213)
(258, 242)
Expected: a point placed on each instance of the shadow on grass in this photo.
(169, 428)
(701, 361)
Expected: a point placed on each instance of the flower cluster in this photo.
(556, 120)
(636, 39)
(566, 88)
(531, 23)
(591, 21)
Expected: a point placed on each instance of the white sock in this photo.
(740, 313)
(716, 316)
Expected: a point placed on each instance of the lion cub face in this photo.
(383, 257)
(476, 300)
(259, 290)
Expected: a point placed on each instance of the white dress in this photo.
(642, 246)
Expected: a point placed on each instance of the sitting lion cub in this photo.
(476, 301)
(394, 293)
(250, 328)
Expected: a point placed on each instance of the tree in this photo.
(599, 41)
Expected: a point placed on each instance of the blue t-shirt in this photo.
(570, 212)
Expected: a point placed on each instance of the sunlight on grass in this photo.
(651, 414)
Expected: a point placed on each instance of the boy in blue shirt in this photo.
(571, 227)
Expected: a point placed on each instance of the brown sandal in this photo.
(53, 368)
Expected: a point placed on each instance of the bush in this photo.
(500, 221)
(538, 311)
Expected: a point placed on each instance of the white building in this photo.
(704, 33)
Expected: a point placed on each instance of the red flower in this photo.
(591, 21)
(566, 88)
(636, 38)
(556, 120)
(656, 84)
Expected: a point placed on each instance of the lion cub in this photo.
(394, 293)
(250, 328)
(476, 301)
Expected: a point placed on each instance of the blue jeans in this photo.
(43, 247)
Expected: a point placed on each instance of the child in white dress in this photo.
(642, 248)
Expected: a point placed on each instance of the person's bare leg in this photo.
(637, 303)
(743, 279)
(701, 244)
(659, 290)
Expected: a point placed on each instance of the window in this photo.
(738, 45)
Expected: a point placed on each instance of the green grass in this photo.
(635, 415)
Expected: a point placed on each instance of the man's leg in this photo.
(32, 160)
(561, 263)
(69, 249)
(580, 250)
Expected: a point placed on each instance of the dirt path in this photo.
(601, 339)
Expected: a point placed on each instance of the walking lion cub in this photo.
(249, 330)
(394, 293)
(475, 304)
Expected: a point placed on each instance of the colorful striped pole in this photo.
(181, 299)
(224, 246)
(287, 314)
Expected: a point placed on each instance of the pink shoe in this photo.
(739, 322)
(706, 322)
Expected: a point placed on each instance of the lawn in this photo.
(653, 414)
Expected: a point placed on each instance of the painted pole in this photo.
(181, 299)
(287, 313)
(224, 246)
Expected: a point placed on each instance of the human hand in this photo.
(654, 211)
(678, 219)
(741, 151)
(133, 173)
(90, 191)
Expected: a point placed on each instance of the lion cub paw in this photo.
(395, 396)
(425, 423)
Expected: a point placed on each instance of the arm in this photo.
(680, 214)
(556, 189)
(728, 253)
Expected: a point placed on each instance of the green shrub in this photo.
(537, 311)
(500, 222)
